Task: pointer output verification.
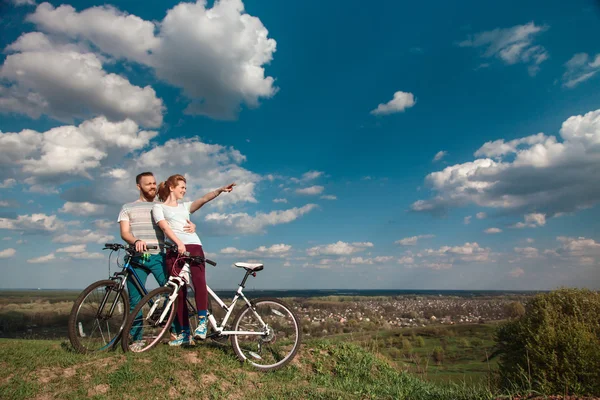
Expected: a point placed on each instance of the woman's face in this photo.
(179, 190)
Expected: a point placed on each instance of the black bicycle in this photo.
(101, 310)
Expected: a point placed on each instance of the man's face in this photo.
(147, 186)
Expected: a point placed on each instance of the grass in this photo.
(322, 370)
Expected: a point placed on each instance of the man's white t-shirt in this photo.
(177, 218)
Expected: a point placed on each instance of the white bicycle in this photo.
(265, 332)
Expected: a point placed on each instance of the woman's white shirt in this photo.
(177, 218)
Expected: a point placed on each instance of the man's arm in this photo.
(140, 245)
(196, 204)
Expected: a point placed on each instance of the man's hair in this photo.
(138, 178)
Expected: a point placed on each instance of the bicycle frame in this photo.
(177, 282)
(122, 276)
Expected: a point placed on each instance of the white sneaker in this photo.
(137, 346)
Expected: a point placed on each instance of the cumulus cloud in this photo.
(77, 248)
(481, 215)
(276, 250)
(439, 155)
(312, 190)
(23, 2)
(42, 259)
(308, 176)
(215, 55)
(447, 256)
(69, 150)
(7, 183)
(243, 223)
(280, 201)
(67, 83)
(34, 223)
(516, 272)
(511, 45)
(84, 236)
(411, 241)
(467, 220)
(328, 197)
(493, 230)
(533, 175)
(339, 248)
(82, 209)
(400, 102)
(7, 253)
(527, 252)
(580, 68)
(532, 220)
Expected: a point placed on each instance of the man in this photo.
(139, 230)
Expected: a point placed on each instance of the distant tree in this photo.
(406, 346)
(515, 310)
(420, 342)
(554, 348)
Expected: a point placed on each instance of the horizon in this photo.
(373, 147)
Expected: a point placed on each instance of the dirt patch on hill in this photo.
(98, 390)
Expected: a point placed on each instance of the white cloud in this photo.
(400, 102)
(532, 220)
(7, 183)
(481, 215)
(82, 209)
(527, 252)
(105, 224)
(447, 256)
(411, 241)
(84, 236)
(339, 248)
(308, 176)
(311, 190)
(467, 220)
(42, 259)
(215, 55)
(70, 150)
(511, 45)
(439, 155)
(493, 230)
(276, 250)
(243, 223)
(533, 175)
(406, 260)
(280, 201)
(87, 256)
(517, 272)
(329, 197)
(4, 203)
(23, 2)
(530, 240)
(580, 247)
(67, 83)
(77, 248)
(7, 253)
(580, 68)
(33, 223)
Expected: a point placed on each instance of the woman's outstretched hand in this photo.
(227, 188)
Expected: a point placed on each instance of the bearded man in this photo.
(139, 230)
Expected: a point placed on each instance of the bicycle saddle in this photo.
(250, 266)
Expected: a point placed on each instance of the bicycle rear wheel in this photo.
(280, 338)
(149, 321)
(98, 316)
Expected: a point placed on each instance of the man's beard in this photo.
(149, 195)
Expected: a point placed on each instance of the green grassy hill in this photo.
(322, 370)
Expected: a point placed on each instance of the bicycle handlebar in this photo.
(119, 246)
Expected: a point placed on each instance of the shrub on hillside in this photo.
(555, 346)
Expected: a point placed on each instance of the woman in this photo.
(171, 215)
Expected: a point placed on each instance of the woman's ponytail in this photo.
(163, 191)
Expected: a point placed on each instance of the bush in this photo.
(438, 355)
(406, 346)
(555, 346)
(420, 342)
(515, 310)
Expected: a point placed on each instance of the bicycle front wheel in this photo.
(268, 335)
(98, 316)
(150, 320)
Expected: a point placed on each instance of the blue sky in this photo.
(391, 145)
